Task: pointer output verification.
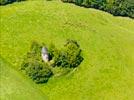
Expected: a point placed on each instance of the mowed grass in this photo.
(107, 72)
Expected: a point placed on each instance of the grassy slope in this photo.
(14, 87)
(107, 42)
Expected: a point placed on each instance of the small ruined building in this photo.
(44, 54)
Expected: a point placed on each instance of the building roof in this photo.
(44, 50)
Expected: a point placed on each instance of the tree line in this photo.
(115, 7)
(4, 2)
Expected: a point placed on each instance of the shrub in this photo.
(35, 68)
(79, 2)
(72, 53)
(33, 55)
(69, 56)
(38, 72)
(51, 50)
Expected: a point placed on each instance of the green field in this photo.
(14, 87)
(107, 72)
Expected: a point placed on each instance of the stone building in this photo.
(45, 54)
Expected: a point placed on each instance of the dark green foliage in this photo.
(38, 72)
(72, 53)
(99, 4)
(3, 2)
(115, 7)
(70, 1)
(69, 56)
(66, 58)
(58, 58)
(35, 68)
(123, 8)
(79, 2)
(33, 55)
(51, 51)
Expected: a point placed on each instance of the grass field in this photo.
(107, 72)
(14, 87)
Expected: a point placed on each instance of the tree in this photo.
(69, 56)
(33, 65)
(39, 71)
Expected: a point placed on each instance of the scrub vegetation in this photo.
(40, 71)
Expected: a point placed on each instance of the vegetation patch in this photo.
(40, 65)
(4, 2)
(115, 7)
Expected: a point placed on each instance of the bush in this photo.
(38, 72)
(35, 68)
(69, 56)
(72, 53)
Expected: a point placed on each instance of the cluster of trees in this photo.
(115, 7)
(34, 66)
(39, 71)
(4, 2)
(68, 56)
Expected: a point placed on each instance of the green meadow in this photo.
(107, 42)
(14, 87)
